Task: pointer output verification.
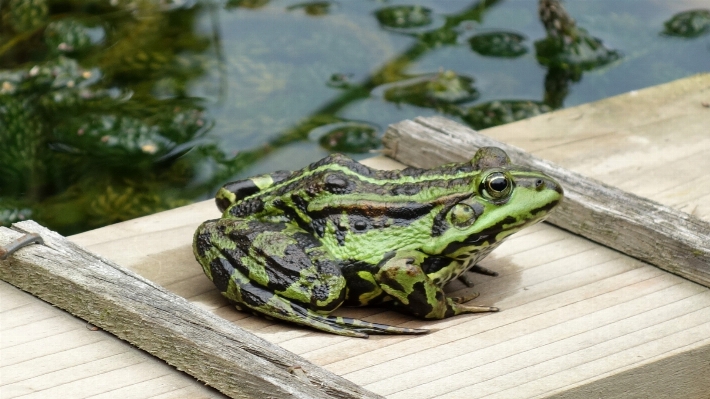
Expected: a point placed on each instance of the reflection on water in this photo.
(112, 109)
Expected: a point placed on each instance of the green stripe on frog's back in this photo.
(338, 185)
(342, 176)
(335, 172)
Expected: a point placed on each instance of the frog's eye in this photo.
(497, 185)
(462, 215)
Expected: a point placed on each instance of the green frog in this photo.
(297, 245)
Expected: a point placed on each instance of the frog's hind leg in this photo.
(281, 271)
(265, 303)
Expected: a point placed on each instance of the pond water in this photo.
(111, 110)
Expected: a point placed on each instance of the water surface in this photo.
(110, 110)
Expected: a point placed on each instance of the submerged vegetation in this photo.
(113, 109)
(86, 141)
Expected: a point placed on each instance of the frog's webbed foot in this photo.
(466, 277)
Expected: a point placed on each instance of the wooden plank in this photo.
(79, 357)
(665, 237)
(135, 309)
(677, 375)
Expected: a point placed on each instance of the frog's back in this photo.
(340, 182)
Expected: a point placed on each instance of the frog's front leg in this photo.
(465, 277)
(402, 278)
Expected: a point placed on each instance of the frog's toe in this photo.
(483, 270)
(352, 327)
(475, 309)
(465, 298)
(466, 279)
(375, 328)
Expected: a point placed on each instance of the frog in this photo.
(296, 246)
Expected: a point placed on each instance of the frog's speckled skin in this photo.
(297, 245)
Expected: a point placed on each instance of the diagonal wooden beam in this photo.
(134, 309)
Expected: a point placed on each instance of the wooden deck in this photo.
(577, 319)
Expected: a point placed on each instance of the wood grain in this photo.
(137, 310)
(667, 238)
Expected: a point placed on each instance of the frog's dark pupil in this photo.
(360, 225)
(498, 183)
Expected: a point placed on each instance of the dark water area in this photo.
(110, 110)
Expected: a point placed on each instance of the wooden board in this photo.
(577, 320)
(47, 353)
(187, 337)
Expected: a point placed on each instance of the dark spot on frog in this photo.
(489, 235)
(320, 293)
(221, 271)
(254, 296)
(291, 213)
(359, 223)
(337, 184)
(458, 182)
(340, 235)
(433, 264)
(319, 226)
(392, 283)
(356, 284)
(241, 189)
(300, 202)
(406, 189)
(418, 302)
(544, 208)
(304, 241)
(281, 273)
(247, 207)
(203, 240)
(407, 213)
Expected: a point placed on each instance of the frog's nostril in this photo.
(539, 184)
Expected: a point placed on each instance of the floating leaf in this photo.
(404, 17)
(691, 23)
(498, 44)
(443, 88)
(352, 137)
(499, 112)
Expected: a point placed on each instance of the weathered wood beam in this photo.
(665, 237)
(134, 309)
